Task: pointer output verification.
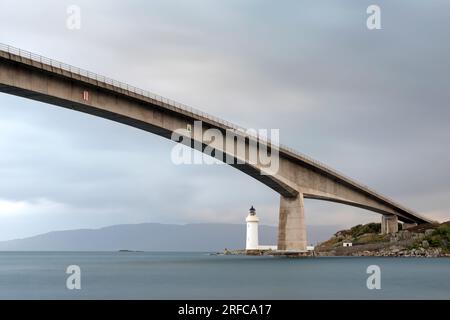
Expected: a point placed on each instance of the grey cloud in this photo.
(371, 104)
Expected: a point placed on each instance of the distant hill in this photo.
(154, 237)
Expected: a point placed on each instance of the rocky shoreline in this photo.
(427, 241)
(243, 252)
(421, 252)
(424, 241)
(397, 252)
(390, 252)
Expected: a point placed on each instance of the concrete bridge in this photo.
(38, 78)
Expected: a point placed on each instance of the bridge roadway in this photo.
(35, 77)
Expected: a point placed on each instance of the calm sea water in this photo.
(115, 275)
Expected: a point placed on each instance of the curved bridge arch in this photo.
(35, 77)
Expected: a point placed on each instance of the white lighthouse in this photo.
(252, 230)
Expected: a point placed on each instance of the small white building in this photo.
(347, 244)
(310, 248)
(252, 230)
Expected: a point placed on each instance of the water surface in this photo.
(155, 275)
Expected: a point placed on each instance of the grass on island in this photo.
(440, 238)
(432, 235)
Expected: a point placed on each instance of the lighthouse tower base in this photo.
(252, 220)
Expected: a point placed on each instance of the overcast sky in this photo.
(373, 104)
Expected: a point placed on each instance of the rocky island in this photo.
(427, 240)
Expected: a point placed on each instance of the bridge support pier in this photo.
(291, 224)
(389, 224)
(408, 225)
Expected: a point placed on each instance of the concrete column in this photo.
(389, 224)
(291, 224)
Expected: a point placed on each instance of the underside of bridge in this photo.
(298, 177)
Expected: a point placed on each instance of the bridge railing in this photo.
(181, 106)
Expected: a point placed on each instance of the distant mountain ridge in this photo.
(154, 237)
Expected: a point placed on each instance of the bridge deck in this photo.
(65, 70)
